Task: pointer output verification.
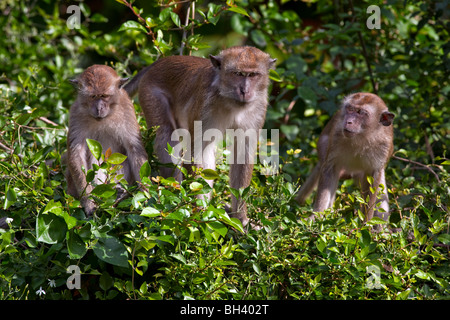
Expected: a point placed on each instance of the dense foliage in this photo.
(160, 243)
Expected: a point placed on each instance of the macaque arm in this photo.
(76, 161)
(136, 157)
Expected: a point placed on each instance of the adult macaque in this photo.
(356, 143)
(227, 91)
(103, 111)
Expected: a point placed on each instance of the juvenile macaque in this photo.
(356, 143)
(227, 91)
(103, 111)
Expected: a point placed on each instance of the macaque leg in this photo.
(159, 113)
(208, 162)
(326, 190)
(309, 185)
(241, 176)
(163, 137)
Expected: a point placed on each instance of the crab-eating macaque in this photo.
(356, 143)
(103, 111)
(227, 91)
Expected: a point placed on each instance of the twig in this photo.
(288, 110)
(44, 119)
(418, 164)
(186, 23)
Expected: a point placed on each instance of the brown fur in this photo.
(228, 91)
(103, 112)
(356, 143)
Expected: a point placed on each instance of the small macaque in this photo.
(103, 111)
(356, 144)
(226, 92)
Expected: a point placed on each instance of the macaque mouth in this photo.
(349, 132)
(99, 117)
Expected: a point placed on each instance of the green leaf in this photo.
(256, 267)
(195, 186)
(150, 212)
(167, 238)
(274, 76)
(444, 238)
(376, 220)
(50, 228)
(132, 25)
(238, 10)
(116, 158)
(106, 281)
(175, 18)
(258, 38)
(219, 227)
(145, 170)
(422, 275)
(95, 147)
(11, 197)
(209, 174)
(111, 251)
(307, 95)
(104, 191)
(75, 245)
(179, 257)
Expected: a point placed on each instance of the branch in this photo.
(420, 165)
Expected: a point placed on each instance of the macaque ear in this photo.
(122, 81)
(272, 63)
(74, 82)
(216, 61)
(386, 118)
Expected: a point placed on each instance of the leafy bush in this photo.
(161, 243)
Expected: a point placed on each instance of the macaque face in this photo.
(99, 105)
(243, 84)
(355, 120)
(243, 73)
(98, 86)
(361, 113)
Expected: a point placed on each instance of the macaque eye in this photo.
(363, 112)
(245, 74)
(99, 96)
(350, 109)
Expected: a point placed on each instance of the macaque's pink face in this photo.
(362, 112)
